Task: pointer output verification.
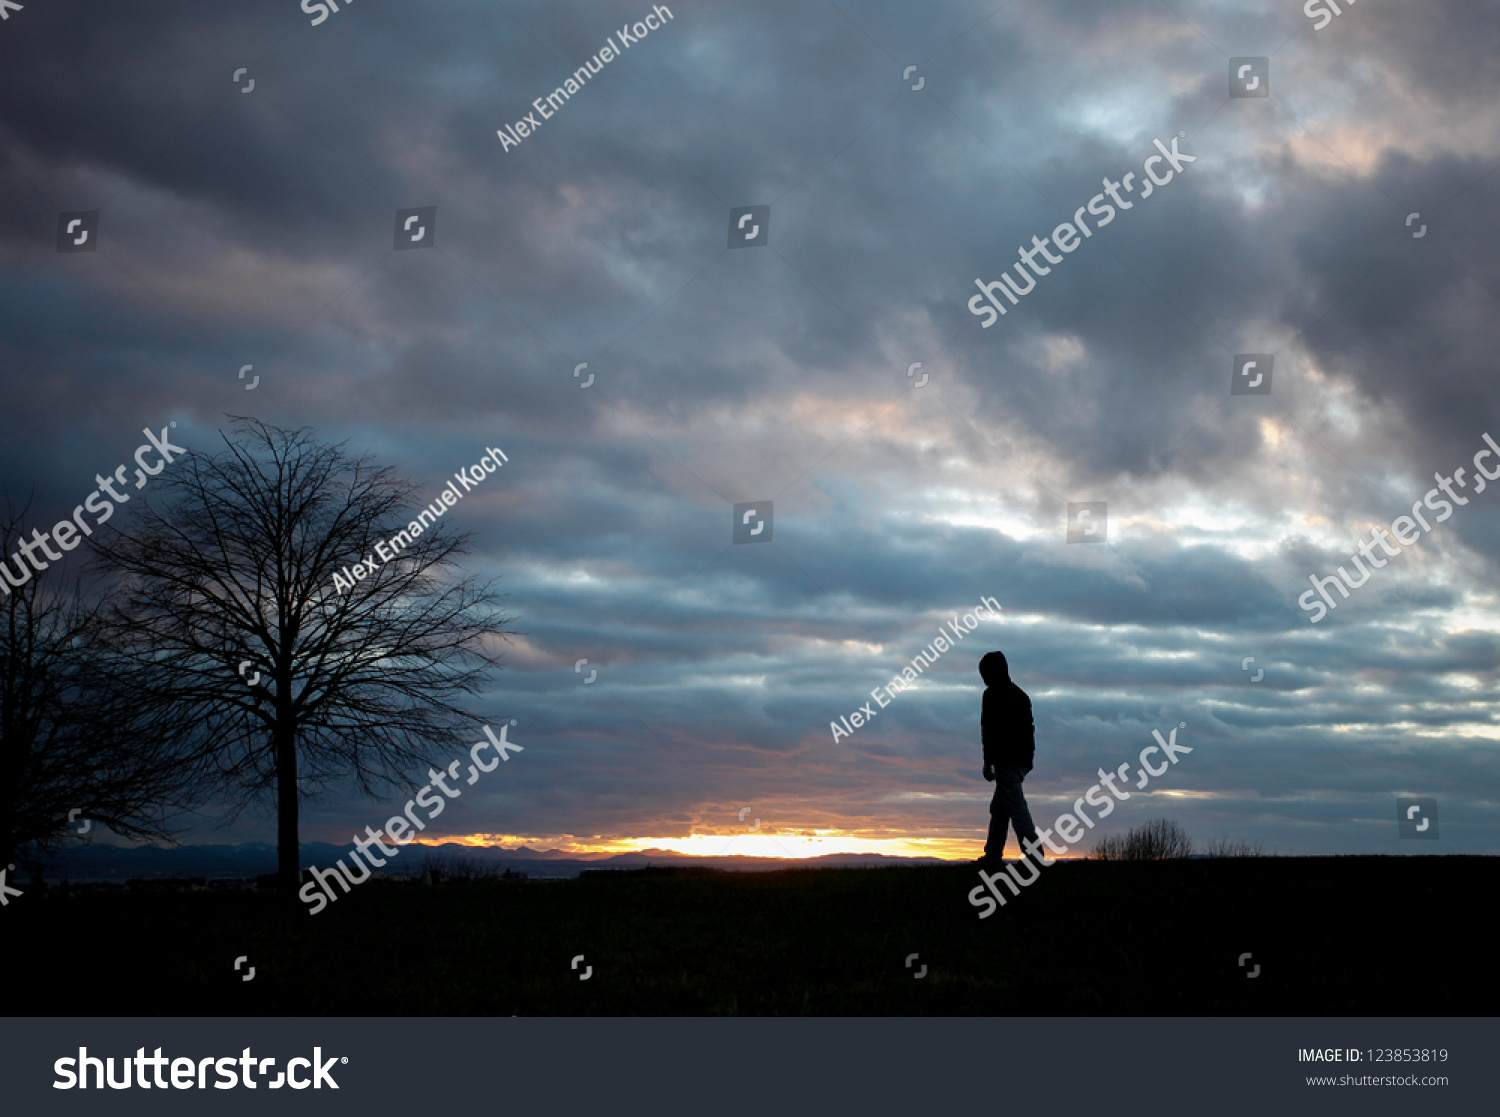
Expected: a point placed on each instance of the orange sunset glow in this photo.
(787, 845)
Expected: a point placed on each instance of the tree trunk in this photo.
(289, 860)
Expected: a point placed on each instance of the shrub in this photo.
(1234, 847)
(1157, 840)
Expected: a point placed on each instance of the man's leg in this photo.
(1008, 792)
(994, 846)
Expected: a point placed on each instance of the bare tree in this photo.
(74, 740)
(227, 605)
(1158, 840)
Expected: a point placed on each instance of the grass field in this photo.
(1345, 935)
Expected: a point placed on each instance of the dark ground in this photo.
(1403, 936)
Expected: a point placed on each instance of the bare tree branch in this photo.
(365, 684)
(74, 737)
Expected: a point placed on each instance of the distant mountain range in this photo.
(250, 859)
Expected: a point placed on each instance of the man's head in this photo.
(994, 670)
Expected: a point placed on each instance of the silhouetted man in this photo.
(1009, 738)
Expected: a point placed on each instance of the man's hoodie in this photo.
(1005, 725)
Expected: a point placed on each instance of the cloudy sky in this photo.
(255, 226)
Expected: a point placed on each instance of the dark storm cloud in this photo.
(256, 228)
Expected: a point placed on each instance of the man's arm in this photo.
(1025, 738)
(989, 734)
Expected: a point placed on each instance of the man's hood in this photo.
(994, 670)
